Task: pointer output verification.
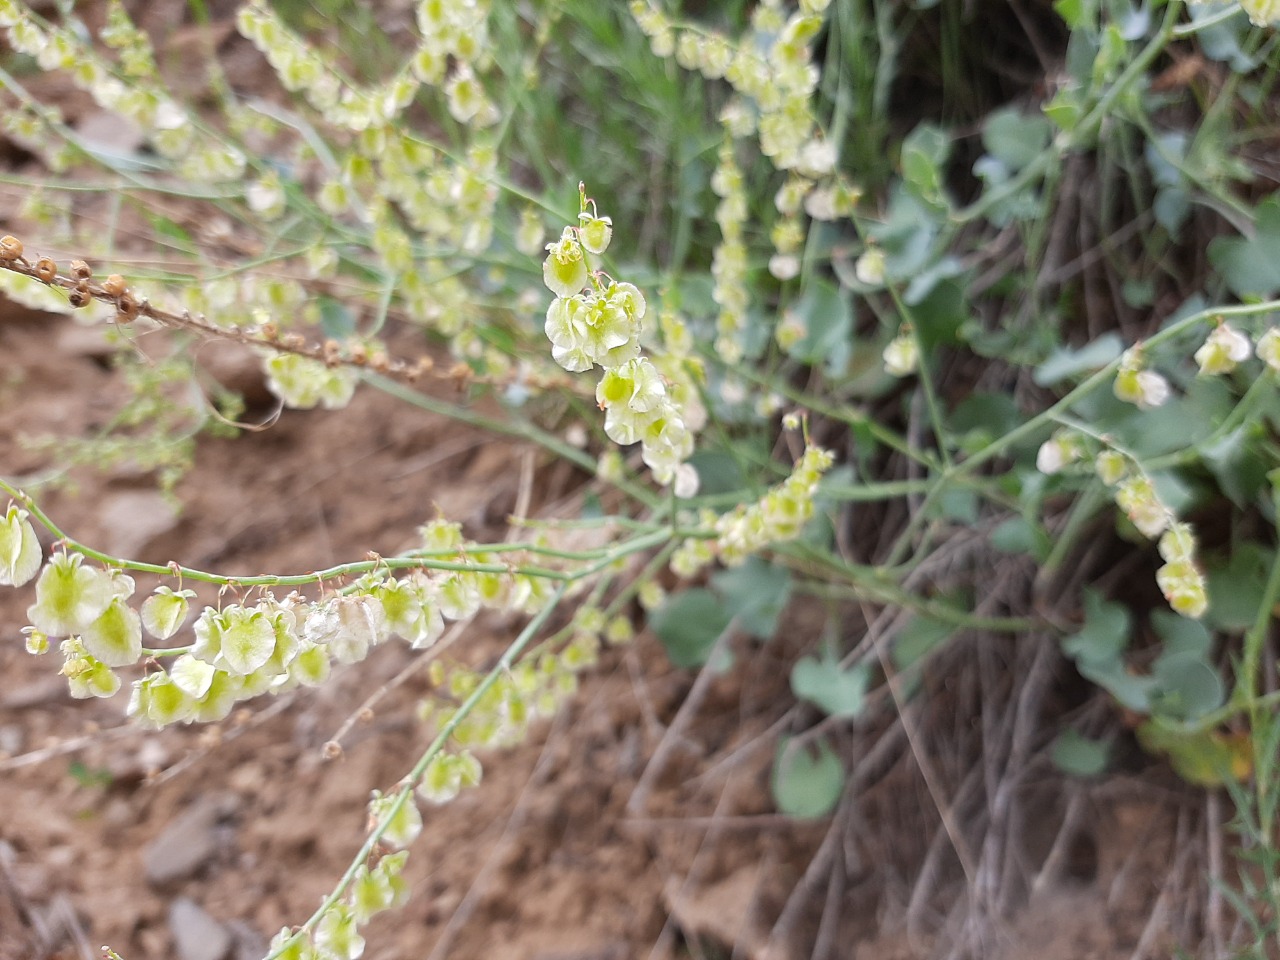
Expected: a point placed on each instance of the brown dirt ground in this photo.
(543, 860)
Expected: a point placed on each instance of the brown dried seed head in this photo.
(80, 296)
(10, 247)
(270, 331)
(81, 270)
(332, 750)
(114, 285)
(126, 307)
(358, 354)
(380, 362)
(46, 270)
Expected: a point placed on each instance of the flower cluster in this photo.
(729, 261)
(132, 90)
(779, 515)
(241, 650)
(454, 31)
(592, 322)
(772, 68)
(1180, 579)
(303, 383)
(336, 935)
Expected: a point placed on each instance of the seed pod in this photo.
(46, 270)
(81, 270)
(114, 285)
(10, 248)
(80, 296)
(359, 356)
(126, 308)
(380, 362)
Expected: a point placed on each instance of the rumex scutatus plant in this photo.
(806, 348)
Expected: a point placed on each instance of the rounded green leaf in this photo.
(1078, 756)
(838, 692)
(806, 783)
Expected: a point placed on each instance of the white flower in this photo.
(901, 356)
(1222, 351)
(869, 268)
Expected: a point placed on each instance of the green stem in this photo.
(415, 561)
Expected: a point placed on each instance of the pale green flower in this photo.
(20, 553)
(115, 637)
(164, 612)
(405, 824)
(69, 596)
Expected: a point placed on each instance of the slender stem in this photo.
(416, 561)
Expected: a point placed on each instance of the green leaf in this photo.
(1180, 634)
(959, 504)
(1105, 633)
(939, 315)
(756, 593)
(828, 323)
(689, 624)
(1236, 589)
(1187, 687)
(1078, 756)
(806, 785)
(923, 157)
(920, 637)
(1065, 109)
(1015, 138)
(1020, 535)
(1129, 690)
(336, 319)
(836, 691)
(1071, 11)
(906, 236)
(1066, 362)
(982, 417)
(1251, 266)
(1236, 461)
(924, 283)
(718, 472)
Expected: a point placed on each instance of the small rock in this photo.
(189, 842)
(196, 935)
(12, 739)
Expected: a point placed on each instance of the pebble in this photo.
(196, 935)
(189, 842)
